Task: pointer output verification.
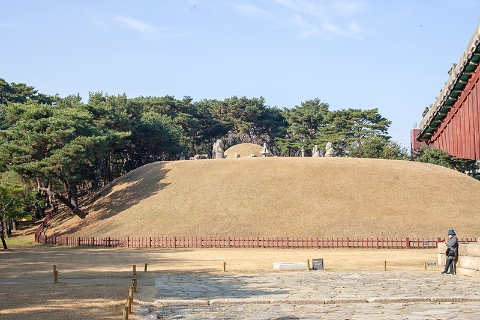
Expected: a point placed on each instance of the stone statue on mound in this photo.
(217, 152)
(315, 151)
(264, 151)
(329, 152)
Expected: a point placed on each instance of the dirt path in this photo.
(94, 283)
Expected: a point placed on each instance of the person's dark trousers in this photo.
(449, 264)
(453, 266)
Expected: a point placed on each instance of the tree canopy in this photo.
(312, 123)
(436, 156)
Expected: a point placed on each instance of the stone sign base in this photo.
(289, 266)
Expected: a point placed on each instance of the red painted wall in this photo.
(459, 134)
(414, 143)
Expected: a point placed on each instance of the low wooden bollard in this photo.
(224, 267)
(134, 284)
(145, 269)
(308, 264)
(55, 276)
(130, 299)
(134, 270)
(125, 312)
(384, 265)
(131, 291)
(129, 305)
(425, 266)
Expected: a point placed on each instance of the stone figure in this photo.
(199, 156)
(315, 151)
(264, 151)
(329, 150)
(217, 152)
(425, 111)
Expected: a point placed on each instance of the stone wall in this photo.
(468, 263)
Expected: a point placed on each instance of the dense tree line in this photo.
(63, 147)
(441, 158)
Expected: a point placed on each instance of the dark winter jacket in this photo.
(452, 247)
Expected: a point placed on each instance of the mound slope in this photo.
(244, 150)
(294, 197)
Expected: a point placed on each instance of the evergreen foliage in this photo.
(436, 156)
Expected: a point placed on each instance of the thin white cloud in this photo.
(146, 31)
(348, 8)
(327, 17)
(252, 10)
(306, 29)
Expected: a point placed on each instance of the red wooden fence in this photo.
(236, 242)
(253, 242)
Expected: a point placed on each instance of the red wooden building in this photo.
(452, 123)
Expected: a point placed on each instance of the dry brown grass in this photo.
(270, 197)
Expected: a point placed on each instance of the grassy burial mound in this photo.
(244, 150)
(284, 197)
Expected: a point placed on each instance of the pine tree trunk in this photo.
(101, 164)
(63, 200)
(2, 234)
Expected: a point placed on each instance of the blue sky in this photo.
(393, 55)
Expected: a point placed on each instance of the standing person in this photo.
(2, 235)
(452, 252)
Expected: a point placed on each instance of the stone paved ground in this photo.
(315, 295)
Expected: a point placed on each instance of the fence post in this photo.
(125, 311)
(407, 243)
(130, 298)
(134, 283)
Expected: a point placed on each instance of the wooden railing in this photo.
(240, 242)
